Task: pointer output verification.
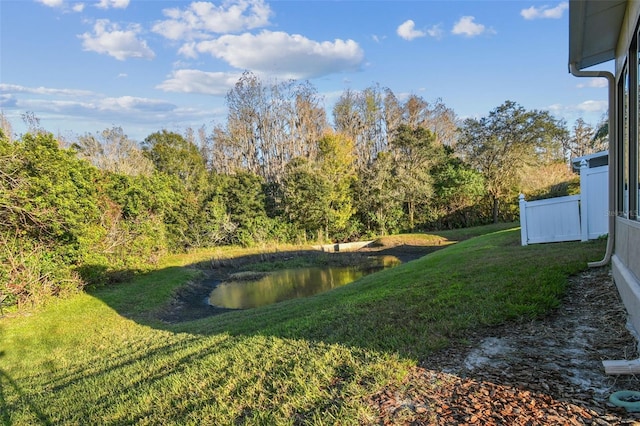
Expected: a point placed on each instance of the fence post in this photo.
(524, 239)
(584, 199)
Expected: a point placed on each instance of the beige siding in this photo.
(626, 34)
(626, 267)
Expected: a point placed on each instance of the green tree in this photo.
(304, 197)
(133, 218)
(501, 144)
(48, 211)
(245, 201)
(415, 154)
(174, 155)
(57, 189)
(378, 196)
(458, 189)
(336, 160)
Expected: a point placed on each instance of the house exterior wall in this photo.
(625, 265)
(625, 261)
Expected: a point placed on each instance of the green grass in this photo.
(103, 358)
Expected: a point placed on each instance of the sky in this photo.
(147, 65)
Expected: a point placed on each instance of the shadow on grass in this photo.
(175, 299)
(8, 383)
(183, 351)
(404, 312)
(409, 310)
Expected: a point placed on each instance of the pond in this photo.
(291, 284)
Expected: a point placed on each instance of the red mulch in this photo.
(544, 372)
(434, 398)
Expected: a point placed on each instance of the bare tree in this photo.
(372, 117)
(581, 140)
(113, 151)
(32, 122)
(416, 112)
(346, 116)
(309, 122)
(361, 117)
(223, 154)
(267, 126)
(393, 111)
(443, 123)
(5, 127)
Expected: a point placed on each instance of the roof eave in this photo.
(594, 27)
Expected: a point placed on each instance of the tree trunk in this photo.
(411, 208)
(495, 209)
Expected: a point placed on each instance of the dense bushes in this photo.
(66, 223)
(48, 204)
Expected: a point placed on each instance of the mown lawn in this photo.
(102, 357)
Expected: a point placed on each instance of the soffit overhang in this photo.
(594, 29)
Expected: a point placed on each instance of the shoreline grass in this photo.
(102, 358)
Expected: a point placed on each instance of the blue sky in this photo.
(147, 65)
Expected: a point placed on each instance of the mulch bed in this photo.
(545, 372)
(436, 398)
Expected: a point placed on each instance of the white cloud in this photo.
(436, 31)
(467, 27)
(195, 81)
(591, 110)
(189, 50)
(50, 100)
(8, 101)
(79, 111)
(180, 64)
(117, 4)
(52, 3)
(200, 19)
(109, 39)
(545, 12)
(597, 83)
(15, 88)
(131, 103)
(62, 4)
(407, 30)
(125, 108)
(284, 55)
(593, 106)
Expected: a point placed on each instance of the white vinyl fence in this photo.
(595, 187)
(573, 218)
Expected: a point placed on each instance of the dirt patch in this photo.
(543, 372)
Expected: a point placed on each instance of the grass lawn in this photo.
(102, 357)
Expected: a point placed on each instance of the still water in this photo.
(291, 284)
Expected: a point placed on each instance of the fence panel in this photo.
(551, 220)
(595, 202)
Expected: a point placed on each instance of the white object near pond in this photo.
(342, 247)
(572, 218)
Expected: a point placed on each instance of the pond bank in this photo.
(191, 301)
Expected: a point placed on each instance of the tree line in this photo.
(91, 210)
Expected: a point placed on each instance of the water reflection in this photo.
(290, 284)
